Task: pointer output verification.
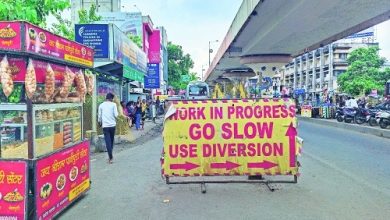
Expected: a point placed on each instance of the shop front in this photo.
(44, 159)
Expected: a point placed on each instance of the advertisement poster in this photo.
(10, 35)
(152, 78)
(13, 189)
(230, 137)
(94, 36)
(155, 47)
(127, 52)
(60, 179)
(18, 68)
(45, 43)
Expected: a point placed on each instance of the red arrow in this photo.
(264, 165)
(291, 133)
(227, 165)
(186, 166)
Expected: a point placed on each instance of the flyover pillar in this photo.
(265, 65)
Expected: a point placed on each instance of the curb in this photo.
(385, 133)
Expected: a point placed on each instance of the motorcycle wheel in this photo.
(348, 120)
(372, 122)
(359, 120)
(339, 118)
(383, 124)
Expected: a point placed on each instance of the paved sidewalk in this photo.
(364, 128)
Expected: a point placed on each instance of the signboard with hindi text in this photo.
(13, 189)
(230, 137)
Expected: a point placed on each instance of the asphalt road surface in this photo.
(344, 175)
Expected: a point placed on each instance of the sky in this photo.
(190, 23)
(193, 23)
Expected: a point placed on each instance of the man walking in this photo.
(107, 115)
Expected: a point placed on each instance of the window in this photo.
(343, 56)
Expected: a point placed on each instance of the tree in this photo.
(179, 64)
(90, 16)
(34, 11)
(65, 28)
(136, 39)
(364, 73)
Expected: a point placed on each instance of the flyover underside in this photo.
(292, 28)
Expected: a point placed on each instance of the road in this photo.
(344, 175)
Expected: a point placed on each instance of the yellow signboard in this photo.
(230, 137)
(306, 111)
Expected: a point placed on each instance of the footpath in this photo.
(135, 137)
(364, 128)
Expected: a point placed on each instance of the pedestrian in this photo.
(107, 115)
(143, 113)
(158, 105)
(138, 113)
(126, 113)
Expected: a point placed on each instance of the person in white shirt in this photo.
(107, 115)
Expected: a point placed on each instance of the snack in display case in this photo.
(58, 137)
(76, 131)
(6, 77)
(67, 132)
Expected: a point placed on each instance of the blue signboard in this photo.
(95, 36)
(152, 79)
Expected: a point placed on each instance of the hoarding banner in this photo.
(127, 52)
(13, 189)
(306, 111)
(60, 179)
(155, 47)
(94, 36)
(127, 22)
(45, 43)
(10, 35)
(152, 79)
(230, 137)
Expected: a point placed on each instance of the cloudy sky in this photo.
(190, 23)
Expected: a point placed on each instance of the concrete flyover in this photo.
(267, 34)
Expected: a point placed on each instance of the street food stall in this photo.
(44, 159)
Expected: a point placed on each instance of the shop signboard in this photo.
(13, 189)
(152, 79)
(60, 179)
(133, 74)
(95, 36)
(44, 43)
(306, 111)
(10, 35)
(230, 137)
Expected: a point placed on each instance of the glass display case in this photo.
(13, 131)
(55, 126)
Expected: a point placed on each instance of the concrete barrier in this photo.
(377, 131)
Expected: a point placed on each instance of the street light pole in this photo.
(211, 50)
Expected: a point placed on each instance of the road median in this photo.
(352, 127)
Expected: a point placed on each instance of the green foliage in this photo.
(34, 11)
(364, 73)
(90, 16)
(179, 64)
(136, 39)
(65, 28)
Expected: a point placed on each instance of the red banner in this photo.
(10, 36)
(45, 43)
(60, 179)
(13, 189)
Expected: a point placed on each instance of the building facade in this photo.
(317, 71)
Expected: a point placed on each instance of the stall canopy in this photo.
(115, 54)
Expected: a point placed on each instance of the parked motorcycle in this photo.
(383, 119)
(362, 115)
(346, 114)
